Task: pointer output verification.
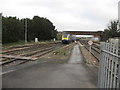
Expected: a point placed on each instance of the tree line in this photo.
(111, 31)
(37, 27)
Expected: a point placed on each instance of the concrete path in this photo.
(74, 74)
(76, 56)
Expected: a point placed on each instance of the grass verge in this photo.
(59, 55)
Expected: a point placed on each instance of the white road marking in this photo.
(7, 72)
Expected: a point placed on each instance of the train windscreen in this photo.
(65, 35)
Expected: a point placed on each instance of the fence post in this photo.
(101, 68)
(0, 49)
(119, 62)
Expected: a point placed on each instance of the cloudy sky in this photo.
(65, 14)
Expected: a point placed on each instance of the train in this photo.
(68, 38)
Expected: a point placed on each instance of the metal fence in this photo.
(109, 71)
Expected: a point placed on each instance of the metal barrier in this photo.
(109, 70)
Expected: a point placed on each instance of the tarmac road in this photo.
(74, 74)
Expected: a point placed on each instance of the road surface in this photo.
(74, 74)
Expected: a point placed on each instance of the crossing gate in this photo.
(109, 70)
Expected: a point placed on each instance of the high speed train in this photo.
(67, 38)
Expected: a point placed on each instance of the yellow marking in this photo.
(64, 38)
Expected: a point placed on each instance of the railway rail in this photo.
(22, 54)
(95, 48)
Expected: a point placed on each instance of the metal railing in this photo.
(109, 70)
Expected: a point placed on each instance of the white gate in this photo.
(109, 71)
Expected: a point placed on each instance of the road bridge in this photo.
(96, 34)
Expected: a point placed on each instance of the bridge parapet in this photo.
(94, 33)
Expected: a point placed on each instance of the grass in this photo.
(96, 42)
(64, 52)
(61, 55)
(23, 43)
(44, 42)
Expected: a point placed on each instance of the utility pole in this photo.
(26, 30)
(0, 28)
(118, 27)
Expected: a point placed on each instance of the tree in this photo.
(38, 27)
(12, 30)
(111, 31)
(42, 28)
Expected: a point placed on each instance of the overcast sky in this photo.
(65, 14)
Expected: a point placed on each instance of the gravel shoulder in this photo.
(92, 63)
(89, 58)
(59, 55)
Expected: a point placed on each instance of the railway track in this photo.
(15, 49)
(23, 54)
(95, 49)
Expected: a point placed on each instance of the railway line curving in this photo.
(95, 48)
